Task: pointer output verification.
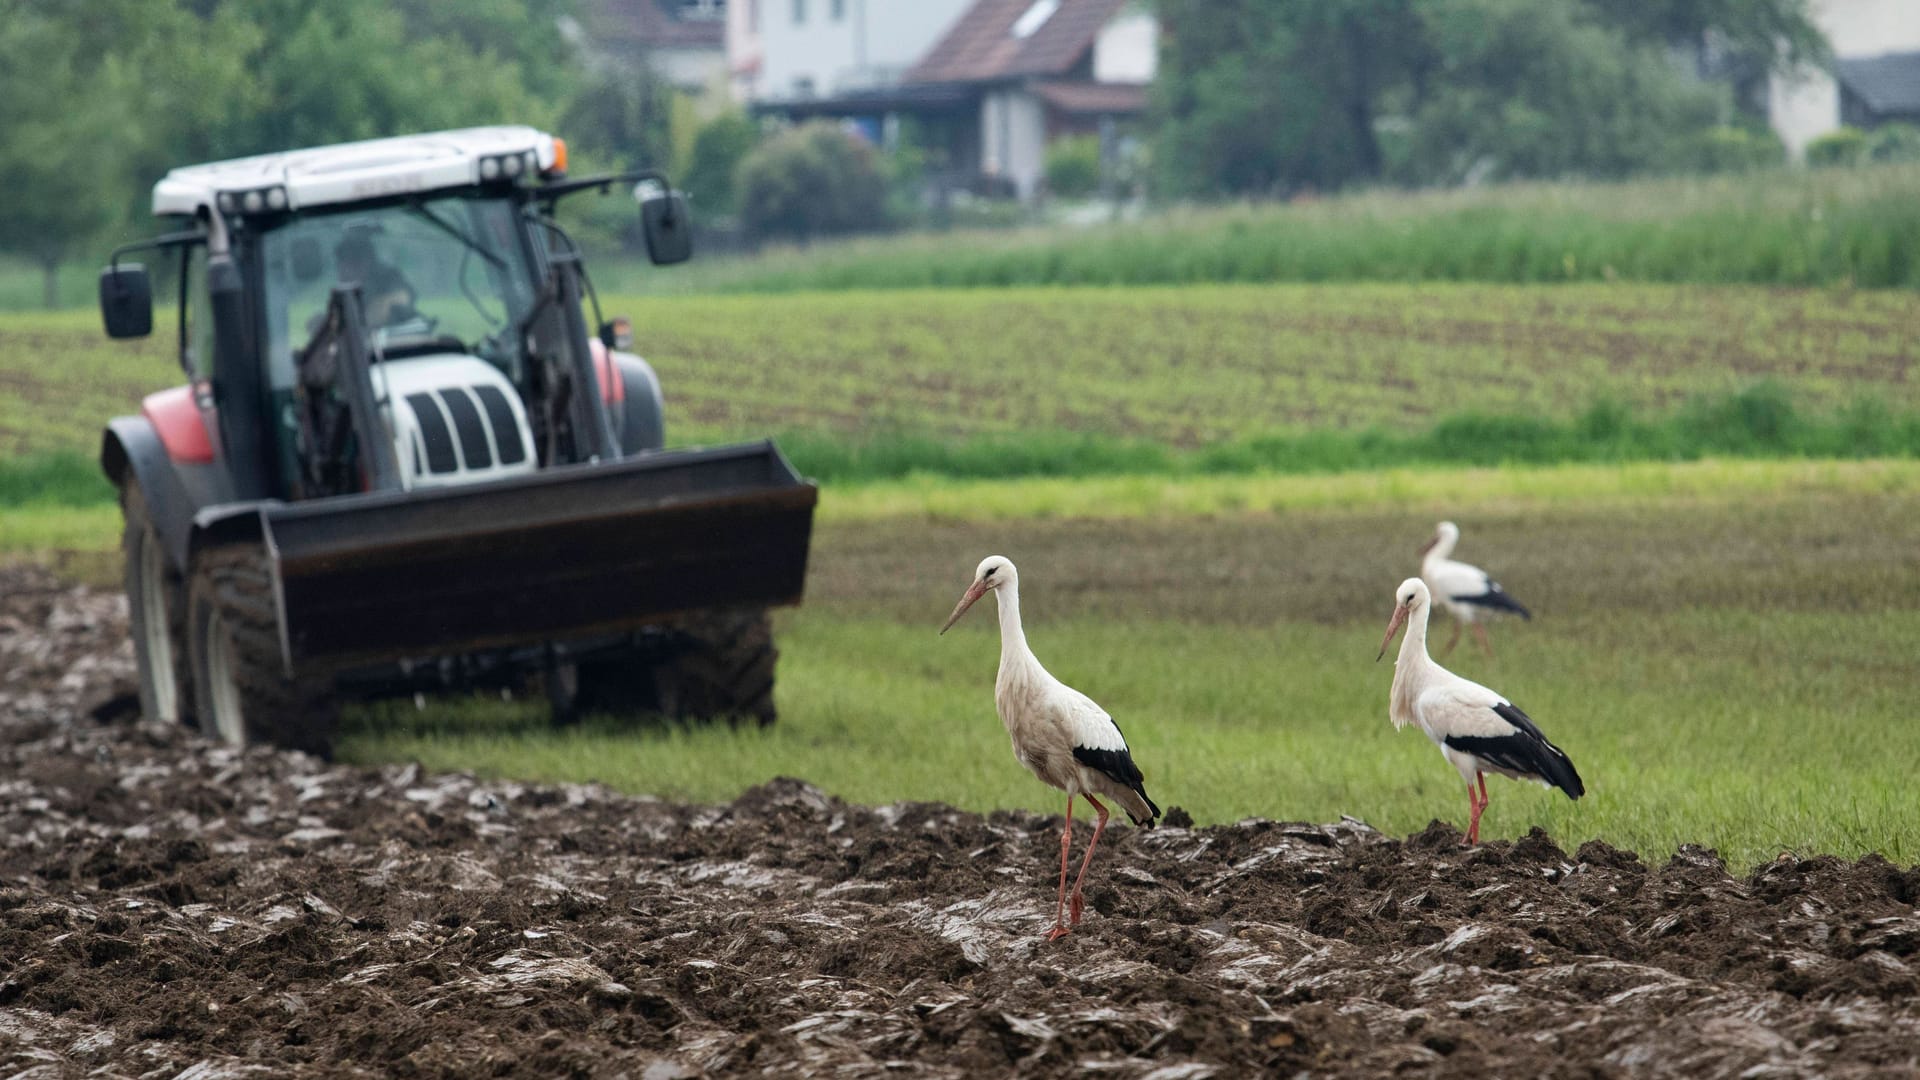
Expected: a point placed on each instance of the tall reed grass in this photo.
(1856, 226)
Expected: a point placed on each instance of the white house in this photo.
(1004, 79)
(802, 50)
(1876, 76)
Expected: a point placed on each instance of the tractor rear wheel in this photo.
(156, 614)
(720, 664)
(239, 683)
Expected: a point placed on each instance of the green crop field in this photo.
(1195, 365)
(1172, 366)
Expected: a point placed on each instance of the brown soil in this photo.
(167, 905)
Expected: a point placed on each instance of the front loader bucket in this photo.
(567, 552)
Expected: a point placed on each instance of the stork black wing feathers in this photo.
(1525, 751)
(1118, 766)
(1498, 599)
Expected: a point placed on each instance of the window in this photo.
(446, 272)
(799, 12)
(839, 10)
(1035, 18)
(196, 329)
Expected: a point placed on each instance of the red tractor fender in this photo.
(613, 388)
(183, 431)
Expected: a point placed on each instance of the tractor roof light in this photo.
(256, 200)
(512, 164)
(489, 168)
(559, 166)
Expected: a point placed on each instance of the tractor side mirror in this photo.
(308, 261)
(126, 301)
(668, 228)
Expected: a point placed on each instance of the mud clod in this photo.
(172, 906)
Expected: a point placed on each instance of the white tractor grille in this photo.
(457, 420)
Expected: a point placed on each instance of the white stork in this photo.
(1469, 593)
(1057, 731)
(1477, 730)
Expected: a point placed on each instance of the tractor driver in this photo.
(384, 292)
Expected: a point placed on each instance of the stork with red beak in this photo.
(1470, 594)
(1477, 730)
(1058, 732)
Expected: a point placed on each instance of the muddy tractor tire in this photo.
(719, 666)
(240, 687)
(157, 613)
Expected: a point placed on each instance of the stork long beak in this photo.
(1393, 627)
(1428, 546)
(974, 592)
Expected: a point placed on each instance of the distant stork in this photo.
(1477, 730)
(1057, 731)
(1469, 593)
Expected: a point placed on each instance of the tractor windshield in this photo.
(438, 274)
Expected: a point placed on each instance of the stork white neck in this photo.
(1014, 652)
(1444, 542)
(1411, 666)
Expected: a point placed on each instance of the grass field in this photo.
(1725, 668)
(1724, 648)
(1786, 227)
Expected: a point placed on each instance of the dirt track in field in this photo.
(166, 904)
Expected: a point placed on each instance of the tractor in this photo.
(403, 462)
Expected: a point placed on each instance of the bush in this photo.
(1730, 149)
(1847, 146)
(810, 181)
(718, 149)
(1894, 143)
(1073, 166)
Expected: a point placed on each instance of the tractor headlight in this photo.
(512, 165)
(489, 168)
(276, 198)
(252, 202)
(226, 202)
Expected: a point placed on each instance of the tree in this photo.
(88, 96)
(809, 181)
(1537, 88)
(718, 148)
(356, 69)
(623, 116)
(1276, 96)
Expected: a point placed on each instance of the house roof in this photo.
(1095, 98)
(652, 24)
(981, 45)
(1888, 84)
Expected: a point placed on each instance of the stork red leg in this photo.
(1452, 641)
(1060, 908)
(1479, 805)
(1480, 635)
(1079, 899)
